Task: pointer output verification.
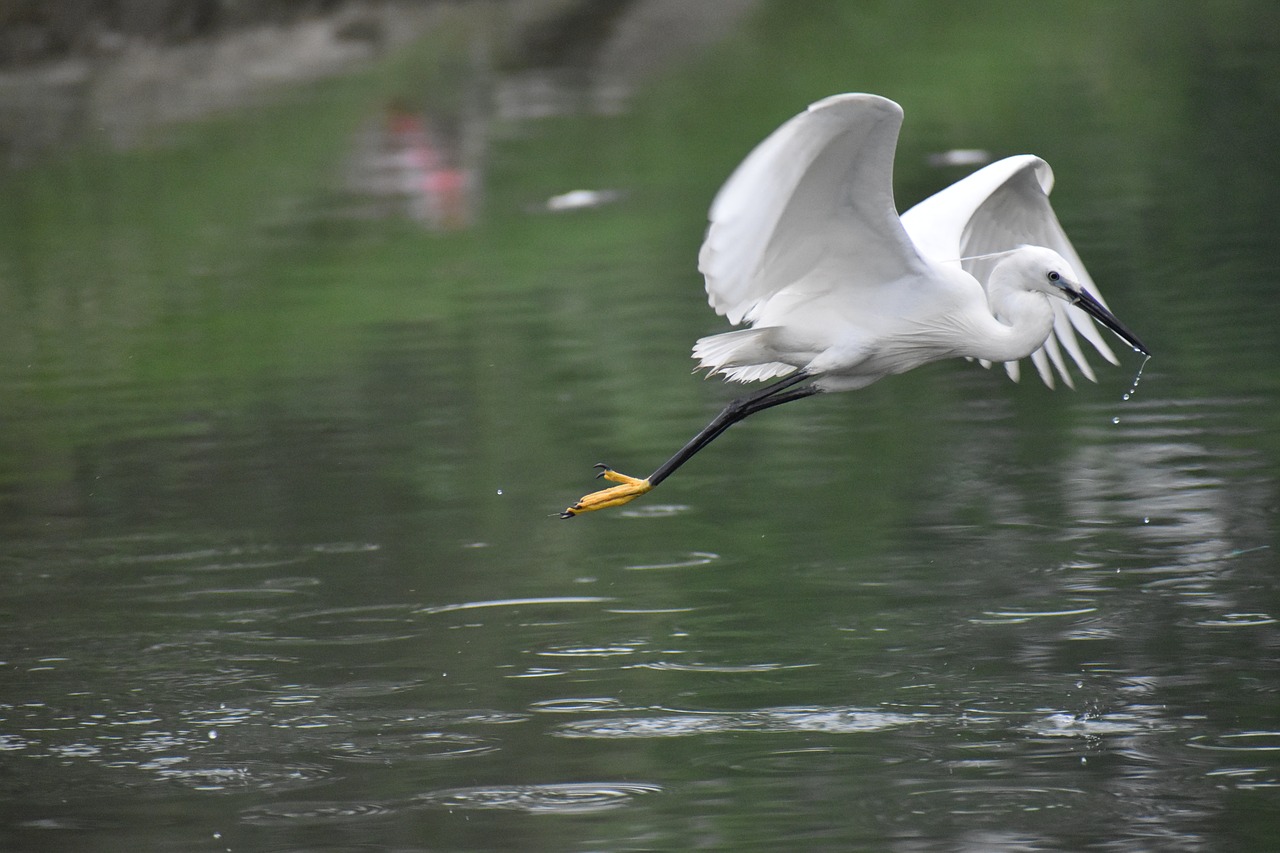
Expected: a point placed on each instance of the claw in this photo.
(629, 489)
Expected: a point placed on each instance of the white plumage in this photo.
(807, 249)
(806, 246)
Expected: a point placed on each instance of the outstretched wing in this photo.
(822, 182)
(998, 208)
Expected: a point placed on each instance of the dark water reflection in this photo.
(1040, 658)
(1032, 679)
(297, 584)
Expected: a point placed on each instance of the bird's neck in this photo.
(1020, 321)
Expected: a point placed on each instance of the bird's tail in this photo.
(744, 355)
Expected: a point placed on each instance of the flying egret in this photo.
(806, 248)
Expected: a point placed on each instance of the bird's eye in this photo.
(1054, 277)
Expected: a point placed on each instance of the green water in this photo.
(278, 482)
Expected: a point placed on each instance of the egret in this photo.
(806, 248)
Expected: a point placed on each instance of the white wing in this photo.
(1001, 207)
(821, 182)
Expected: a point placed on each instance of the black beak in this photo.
(1095, 309)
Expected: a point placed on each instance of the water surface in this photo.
(278, 481)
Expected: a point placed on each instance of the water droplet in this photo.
(1133, 386)
(499, 491)
(213, 734)
(1115, 420)
(1146, 519)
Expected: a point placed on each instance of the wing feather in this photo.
(1041, 361)
(998, 208)
(821, 183)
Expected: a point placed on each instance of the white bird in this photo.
(806, 248)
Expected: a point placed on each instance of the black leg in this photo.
(776, 394)
(630, 488)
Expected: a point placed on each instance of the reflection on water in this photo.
(1090, 658)
(282, 572)
(408, 167)
(991, 713)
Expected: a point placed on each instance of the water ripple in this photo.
(806, 761)
(1237, 620)
(568, 798)
(1257, 742)
(312, 812)
(345, 547)
(688, 561)
(719, 667)
(587, 651)
(771, 720)
(1018, 616)
(239, 775)
(995, 798)
(411, 746)
(514, 602)
(576, 706)
(1088, 726)
(653, 511)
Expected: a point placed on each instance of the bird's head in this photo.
(1043, 270)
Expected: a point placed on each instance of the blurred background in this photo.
(314, 314)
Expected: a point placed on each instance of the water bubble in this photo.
(499, 491)
(1115, 420)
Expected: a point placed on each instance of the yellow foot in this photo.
(630, 489)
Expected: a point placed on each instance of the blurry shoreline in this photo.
(117, 69)
(117, 77)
